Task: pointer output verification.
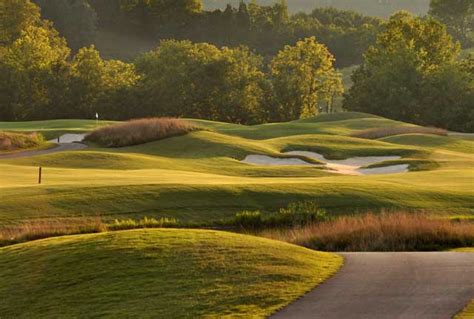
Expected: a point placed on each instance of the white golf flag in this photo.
(97, 115)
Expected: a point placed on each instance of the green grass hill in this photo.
(157, 273)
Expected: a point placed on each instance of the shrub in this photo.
(145, 222)
(15, 141)
(248, 219)
(139, 131)
(382, 232)
(299, 214)
(380, 132)
(296, 214)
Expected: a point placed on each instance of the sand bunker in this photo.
(69, 138)
(350, 166)
(275, 161)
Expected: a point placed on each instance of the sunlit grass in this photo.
(166, 273)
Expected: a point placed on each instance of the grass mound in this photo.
(380, 132)
(141, 131)
(384, 232)
(17, 141)
(157, 273)
(467, 313)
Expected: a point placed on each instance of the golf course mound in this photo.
(161, 273)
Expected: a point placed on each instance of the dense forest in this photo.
(248, 63)
(375, 8)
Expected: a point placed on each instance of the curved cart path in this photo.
(428, 285)
(62, 147)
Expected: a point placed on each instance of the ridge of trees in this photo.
(414, 73)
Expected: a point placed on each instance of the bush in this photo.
(248, 219)
(139, 132)
(296, 214)
(145, 222)
(382, 232)
(381, 132)
(17, 141)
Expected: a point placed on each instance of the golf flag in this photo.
(97, 116)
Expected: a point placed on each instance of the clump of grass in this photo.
(17, 141)
(140, 131)
(145, 222)
(49, 228)
(380, 132)
(380, 232)
(53, 228)
(295, 214)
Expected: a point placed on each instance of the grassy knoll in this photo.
(199, 177)
(157, 273)
(467, 313)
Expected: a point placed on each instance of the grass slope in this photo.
(157, 273)
(199, 177)
(467, 313)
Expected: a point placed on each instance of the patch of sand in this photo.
(275, 161)
(349, 166)
(69, 138)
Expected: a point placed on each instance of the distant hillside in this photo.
(376, 8)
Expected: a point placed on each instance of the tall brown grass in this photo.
(140, 131)
(380, 232)
(39, 229)
(380, 132)
(49, 228)
(15, 141)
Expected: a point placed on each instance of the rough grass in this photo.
(157, 273)
(19, 141)
(381, 132)
(140, 131)
(46, 228)
(381, 232)
(466, 313)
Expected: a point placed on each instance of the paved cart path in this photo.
(58, 148)
(428, 285)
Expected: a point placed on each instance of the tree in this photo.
(16, 16)
(180, 78)
(458, 15)
(76, 20)
(406, 75)
(26, 67)
(94, 81)
(303, 76)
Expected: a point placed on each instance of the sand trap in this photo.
(69, 138)
(275, 161)
(350, 166)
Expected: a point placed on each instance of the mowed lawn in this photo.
(199, 177)
(157, 273)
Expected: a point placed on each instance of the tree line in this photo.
(263, 28)
(411, 72)
(40, 78)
